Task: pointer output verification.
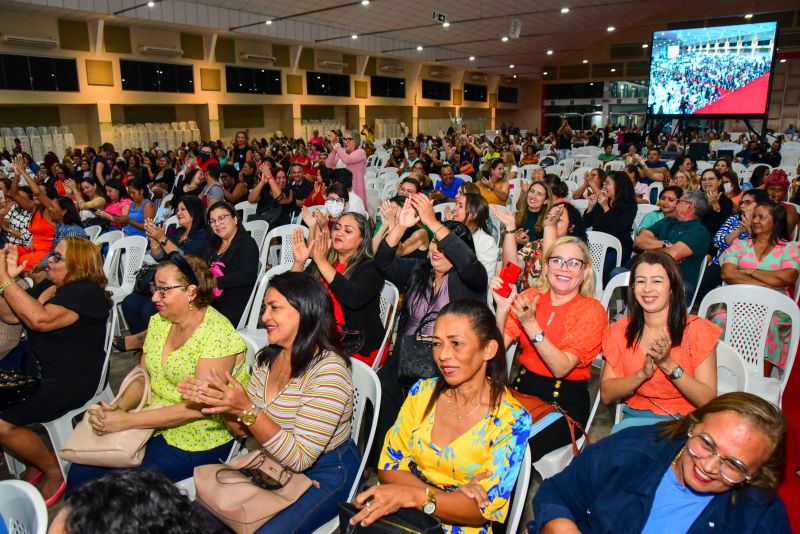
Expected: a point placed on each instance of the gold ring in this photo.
(366, 505)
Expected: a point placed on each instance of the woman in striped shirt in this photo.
(299, 401)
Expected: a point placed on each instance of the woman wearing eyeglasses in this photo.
(715, 470)
(65, 320)
(560, 326)
(186, 338)
(354, 158)
(661, 362)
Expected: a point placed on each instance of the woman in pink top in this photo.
(354, 158)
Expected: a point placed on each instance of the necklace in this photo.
(460, 416)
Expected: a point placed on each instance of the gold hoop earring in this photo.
(191, 308)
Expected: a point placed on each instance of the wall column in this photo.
(362, 116)
(105, 122)
(213, 120)
(414, 120)
(297, 121)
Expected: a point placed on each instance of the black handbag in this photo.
(144, 277)
(352, 341)
(404, 521)
(16, 386)
(415, 354)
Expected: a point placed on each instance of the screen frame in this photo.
(701, 116)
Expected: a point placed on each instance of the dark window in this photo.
(475, 93)
(435, 90)
(325, 84)
(156, 77)
(507, 94)
(764, 42)
(572, 90)
(34, 73)
(388, 87)
(253, 81)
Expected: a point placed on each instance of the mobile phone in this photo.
(509, 274)
(160, 215)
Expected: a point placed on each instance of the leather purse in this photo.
(415, 354)
(539, 408)
(248, 491)
(115, 449)
(404, 521)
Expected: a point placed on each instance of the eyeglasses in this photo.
(572, 265)
(747, 202)
(162, 290)
(348, 138)
(219, 220)
(55, 257)
(702, 447)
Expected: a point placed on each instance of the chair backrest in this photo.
(599, 243)
(108, 238)
(654, 191)
(440, 208)
(749, 312)
(171, 222)
(253, 310)
(520, 493)
(245, 209)
(258, 231)
(618, 281)
(703, 264)
(366, 387)
(730, 362)
(580, 204)
(129, 250)
(641, 211)
(23, 508)
(389, 299)
(281, 254)
(93, 232)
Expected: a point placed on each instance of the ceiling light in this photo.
(749, 16)
(472, 58)
(783, 60)
(269, 22)
(354, 36)
(565, 10)
(549, 52)
(511, 66)
(610, 29)
(151, 4)
(364, 2)
(645, 45)
(544, 73)
(613, 70)
(504, 39)
(419, 49)
(585, 61)
(591, 83)
(446, 24)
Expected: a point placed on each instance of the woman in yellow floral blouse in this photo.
(187, 337)
(458, 443)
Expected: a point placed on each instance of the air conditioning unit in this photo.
(439, 73)
(478, 77)
(391, 68)
(19, 40)
(160, 51)
(258, 57)
(332, 64)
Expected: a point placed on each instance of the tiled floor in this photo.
(122, 363)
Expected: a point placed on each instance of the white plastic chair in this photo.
(258, 231)
(248, 325)
(619, 281)
(519, 501)
(245, 209)
(441, 208)
(599, 243)
(749, 310)
(123, 261)
(108, 238)
(657, 187)
(615, 165)
(580, 204)
(703, 264)
(366, 387)
(22, 507)
(641, 211)
(389, 299)
(732, 374)
(93, 232)
(281, 254)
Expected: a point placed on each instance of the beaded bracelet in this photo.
(6, 284)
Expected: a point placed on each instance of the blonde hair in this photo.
(586, 288)
(84, 262)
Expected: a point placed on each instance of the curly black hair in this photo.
(132, 502)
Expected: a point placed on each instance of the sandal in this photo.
(119, 344)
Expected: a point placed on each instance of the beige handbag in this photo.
(116, 449)
(249, 491)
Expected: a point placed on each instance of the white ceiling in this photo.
(396, 27)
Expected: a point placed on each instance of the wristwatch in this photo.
(676, 373)
(666, 243)
(429, 506)
(249, 417)
(163, 242)
(538, 337)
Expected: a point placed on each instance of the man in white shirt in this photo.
(473, 210)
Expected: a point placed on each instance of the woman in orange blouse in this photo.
(661, 361)
(560, 326)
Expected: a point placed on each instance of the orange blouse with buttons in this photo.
(576, 327)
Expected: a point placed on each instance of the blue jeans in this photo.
(335, 471)
(137, 310)
(172, 462)
(632, 417)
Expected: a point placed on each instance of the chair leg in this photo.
(15, 466)
(59, 430)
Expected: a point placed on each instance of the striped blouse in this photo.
(313, 411)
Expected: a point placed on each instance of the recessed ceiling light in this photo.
(783, 61)
(151, 4)
(364, 2)
(515, 76)
(419, 49)
(544, 73)
(565, 10)
(591, 83)
(504, 39)
(585, 61)
(472, 58)
(269, 22)
(511, 66)
(749, 16)
(446, 24)
(613, 70)
(610, 29)
(549, 52)
(645, 45)
(354, 36)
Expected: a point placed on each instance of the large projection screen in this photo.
(718, 71)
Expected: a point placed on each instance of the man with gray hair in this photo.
(682, 236)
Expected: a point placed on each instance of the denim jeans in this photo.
(172, 462)
(632, 417)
